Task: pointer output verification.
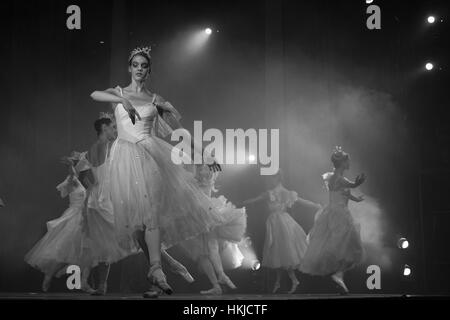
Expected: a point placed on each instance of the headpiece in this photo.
(145, 51)
(338, 155)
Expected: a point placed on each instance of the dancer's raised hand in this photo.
(360, 179)
(215, 167)
(66, 160)
(132, 112)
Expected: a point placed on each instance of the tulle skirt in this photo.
(149, 191)
(285, 242)
(103, 241)
(334, 243)
(64, 243)
(228, 235)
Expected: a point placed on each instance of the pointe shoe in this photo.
(214, 291)
(223, 279)
(61, 272)
(101, 291)
(294, 287)
(182, 271)
(157, 277)
(46, 283)
(276, 287)
(153, 293)
(87, 288)
(340, 283)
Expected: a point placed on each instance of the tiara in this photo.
(141, 50)
(106, 115)
(338, 154)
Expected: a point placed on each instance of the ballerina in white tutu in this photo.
(149, 192)
(217, 250)
(100, 215)
(285, 242)
(334, 241)
(65, 242)
(101, 231)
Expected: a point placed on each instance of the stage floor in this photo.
(117, 296)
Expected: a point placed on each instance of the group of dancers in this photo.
(127, 196)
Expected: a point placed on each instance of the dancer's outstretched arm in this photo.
(253, 200)
(113, 96)
(309, 203)
(352, 197)
(349, 184)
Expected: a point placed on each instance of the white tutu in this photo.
(334, 241)
(65, 241)
(285, 242)
(148, 190)
(228, 235)
(101, 229)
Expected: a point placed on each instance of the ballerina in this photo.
(211, 251)
(65, 242)
(285, 242)
(105, 249)
(334, 241)
(150, 193)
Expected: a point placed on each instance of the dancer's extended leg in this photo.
(295, 282)
(206, 266)
(174, 265)
(277, 281)
(214, 256)
(103, 272)
(156, 274)
(338, 277)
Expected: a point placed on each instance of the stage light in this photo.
(208, 31)
(429, 66)
(406, 270)
(251, 158)
(369, 1)
(403, 243)
(256, 265)
(431, 19)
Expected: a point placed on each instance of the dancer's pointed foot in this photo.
(214, 291)
(101, 291)
(87, 288)
(340, 282)
(223, 279)
(182, 271)
(294, 287)
(151, 294)
(46, 283)
(276, 287)
(61, 272)
(158, 278)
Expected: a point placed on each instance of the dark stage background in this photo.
(310, 68)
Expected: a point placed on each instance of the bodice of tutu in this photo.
(279, 199)
(142, 129)
(77, 194)
(338, 195)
